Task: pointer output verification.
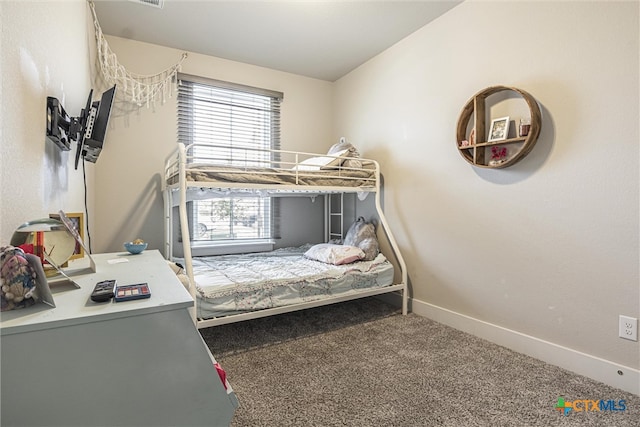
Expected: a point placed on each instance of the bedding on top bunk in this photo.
(233, 284)
(344, 177)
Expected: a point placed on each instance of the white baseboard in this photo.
(590, 366)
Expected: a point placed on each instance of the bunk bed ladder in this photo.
(334, 217)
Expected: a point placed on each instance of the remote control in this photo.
(103, 291)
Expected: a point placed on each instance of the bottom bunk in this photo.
(230, 288)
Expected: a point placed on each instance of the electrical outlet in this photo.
(628, 328)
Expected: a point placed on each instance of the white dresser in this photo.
(132, 363)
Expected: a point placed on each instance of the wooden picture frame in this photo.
(77, 219)
(499, 129)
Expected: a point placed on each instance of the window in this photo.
(230, 120)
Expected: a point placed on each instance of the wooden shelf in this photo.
(488, 144)
(475, 110)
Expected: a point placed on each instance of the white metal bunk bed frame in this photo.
(177, 163)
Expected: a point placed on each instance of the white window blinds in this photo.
(228, 122)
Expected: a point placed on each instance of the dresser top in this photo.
(74, 306)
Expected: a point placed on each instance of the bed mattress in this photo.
(330, 178)
(234, 284)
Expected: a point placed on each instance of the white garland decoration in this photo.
(137, 88)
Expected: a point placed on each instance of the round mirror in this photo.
(49, 235)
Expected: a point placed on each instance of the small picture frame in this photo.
(77, 220)
(499, 129)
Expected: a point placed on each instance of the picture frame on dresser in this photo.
(76, 219)
(74, 222)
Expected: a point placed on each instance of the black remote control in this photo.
(103, 291)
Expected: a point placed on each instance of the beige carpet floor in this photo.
(361, 363)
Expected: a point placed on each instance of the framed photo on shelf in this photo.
(499, 129)
(77, 219)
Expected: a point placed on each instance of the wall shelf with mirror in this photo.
(500, 144)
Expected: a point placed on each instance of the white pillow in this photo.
(330, 253)
(324, 162)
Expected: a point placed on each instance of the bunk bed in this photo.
(219, 297)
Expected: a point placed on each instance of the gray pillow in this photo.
(353, 152)
(362, 234)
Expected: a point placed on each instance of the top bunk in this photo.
(209, 167)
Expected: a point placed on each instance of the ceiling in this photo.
(319, 39)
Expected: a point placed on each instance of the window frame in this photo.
(229, 245)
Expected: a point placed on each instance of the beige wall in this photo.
(129, 200)
(548, 247)
(45, 52)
